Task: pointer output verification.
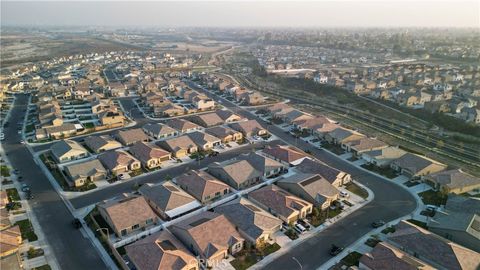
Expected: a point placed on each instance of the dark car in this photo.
(304, 224)
(77, 224)
(214, 154)
(335, 250)
(378, 224)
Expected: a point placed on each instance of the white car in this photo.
(299, 228)
(344, 194)
(123, 176)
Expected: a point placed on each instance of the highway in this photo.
(72, 250)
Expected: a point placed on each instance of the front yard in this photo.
(26, 229)
(352, 187)
(4, 171)
(250, 256)
(433, 197)
(334, 148)
(12, 194)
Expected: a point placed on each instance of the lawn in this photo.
(372, 242)
(34, 252)
(388, 230)
(26, 229)
(352, 187)
(12, 194)
(244, 261)
(352, 258)
(418, 223)
(249, 257)
(387, 172)
(336, 149)
(4, 171)
(433, 197)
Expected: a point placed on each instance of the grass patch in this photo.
(333, 213)
(418, 223)
(26, 229)
(34, 252)
(248, 257)
(244, 261)
(433, 197)
(269, 249)
(372, 241)
(12, 194)
(388, 230)
(352, 258)
(4, 171)
(336, 149)
(352, 187)
(387, 172)
(411, 183)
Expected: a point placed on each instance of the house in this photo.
(342, 136)
(265, 165)
(310, 187)
(225, 134)
(333, 176)
(249, 128)
(458, 221)
(168, 200)
(413, 165)
(151, 156)
(432, 249)
(358, 147)
(254, 99)
(210, 236)
(254, 224)
(311, 124)
(111, 118)
(207, 120)
(161, 250)
(285, 154)
(101, 143)
(228, 116)
(280, 203)
(182, 125)
(10, 241)
(127, 213)
(167, 109)
(237, 173)
(203, 186)
(322, 132)
(131, 136)
(453, 181)
(159, 131)
(68, 150)
(56, 132)
(79, 174)
(119, 161)
(385, 256)
(204, 141)
(383, 157)
(179, 146)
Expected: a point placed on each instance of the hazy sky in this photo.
(244, 13)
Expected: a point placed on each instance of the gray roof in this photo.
(97, 142)
(64, 146)
(200, 138)
(261, 163)
(413, 162)
(238, 171)
(85, 169)
(316, 167)
(460, 214)
(144, 152)
(390, 152)
(200, 184)
(454, 179)
(220, 131)
(312, 184)
(249, 218)
(166, 196)
(158, 129)
(132, 135)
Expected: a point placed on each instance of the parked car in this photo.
(25, 188)
(338, 204)
(344, 194)
(214, 154)
(335, 250)
(299, 228)
(123, 176)
(304, 223)
(378, 224)
(76, 223)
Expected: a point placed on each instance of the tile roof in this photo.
(144, 152)
(200, 184)
(261, 163)
(433, 248)
(220, 132)
(181, 124)
(385, 256)
(366, 144)
(454, 179)
(158, 129)
(250, 126)
(64, 146)
(316, 167)
(285, 153)
(97, 142)
(166, 196)
(112, 159)
(249, 218)
(238, 171)
(178, 143)
(413, 162)
(200, 138)
(132, 135)
(226, 114)
(312, 184)
(390, 152)
(159, 251)
(208, 119)
(85, 169)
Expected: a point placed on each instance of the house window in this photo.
(123, 232)
(217, 194)
(136, 226)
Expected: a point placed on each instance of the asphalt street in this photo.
(390, 202)
(71, 249)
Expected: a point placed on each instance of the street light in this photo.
(299, 264)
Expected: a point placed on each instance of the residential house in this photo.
(432, 249)
(168, 200)
(385, 256)
(56, 132)
(285, 154)
(265, 165)
(254, 99)
(225, 134)
(322, 132)
(10, 241)
(203, 186)
(182, 125)
(131, 136)
(238, 174)
(310, 187)
(119, 161)
(254, 224)
(159, 131)
(458, 221)
(413, 165)
(280, 203)
(111, 118)
(335, 177)
(101, 143)
(453, 181)
(179, 146)
(151, 156)
(204, 141)
(383, 157)
(362, 145)
(228, 116)
(311, 124)
(210, 236)
(342, 136)
(68, 150)
(161, 251)
(249, 128)
(127, 213)
(79, 174)
(207, 120)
